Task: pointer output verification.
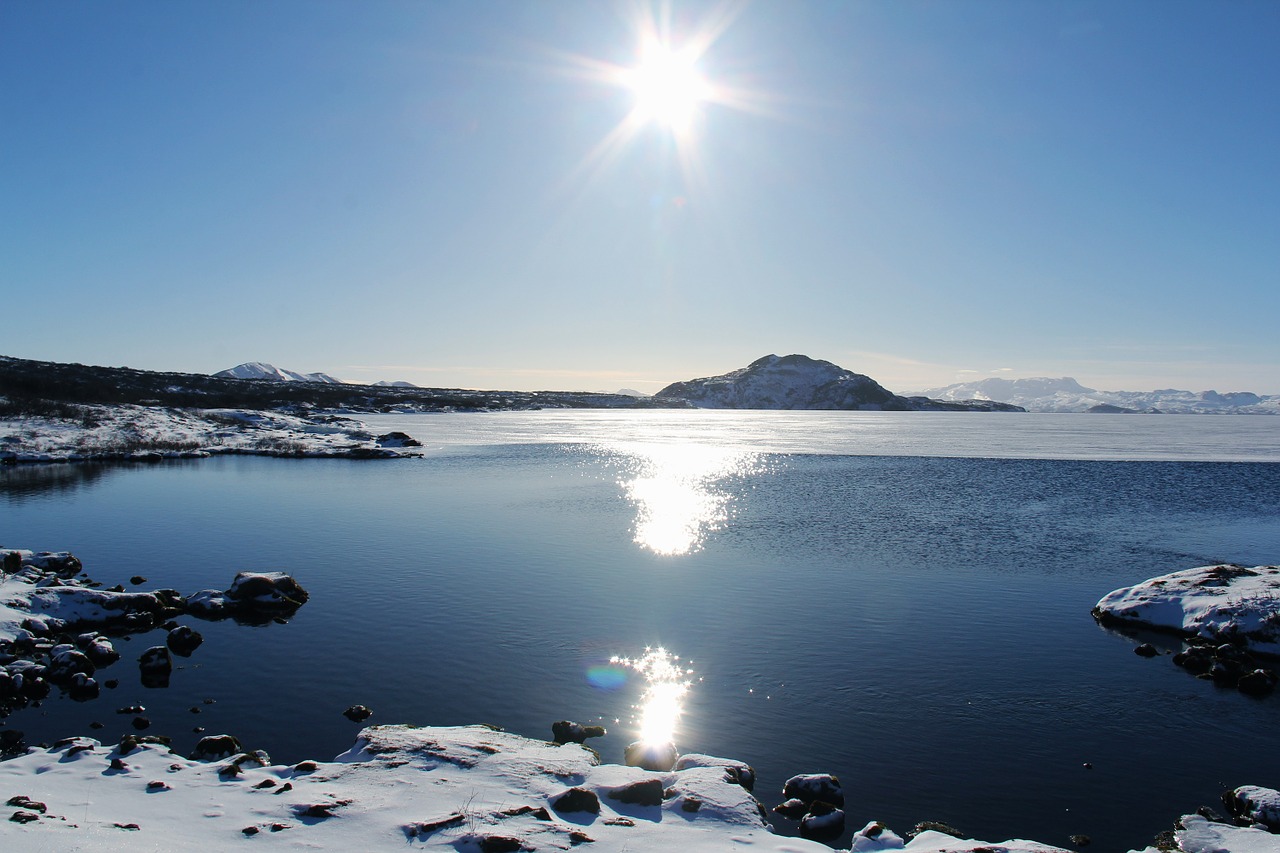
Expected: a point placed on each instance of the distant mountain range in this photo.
(801, 382)
(1065, 394)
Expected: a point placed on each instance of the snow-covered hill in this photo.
(262, 370)
(1064, 394)
(800, 382)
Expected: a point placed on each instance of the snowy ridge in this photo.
(1064, 394)
(262, 370)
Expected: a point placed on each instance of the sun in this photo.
(668, 87)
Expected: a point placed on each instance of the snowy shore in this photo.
(470, 788)
(92, 433)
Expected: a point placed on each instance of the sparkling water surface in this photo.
(901, 599)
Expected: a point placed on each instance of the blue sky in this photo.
(925, 192)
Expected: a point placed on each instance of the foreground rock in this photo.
(1222, 604)
(54, 624)
(464, 788)
(800, 382)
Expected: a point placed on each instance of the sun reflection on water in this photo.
(662, 702)
(678, 492)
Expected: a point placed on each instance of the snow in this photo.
(399, 786)
(461, 788)
(148, 433)
(262, 370)
(1044, 394)
(1219, 601)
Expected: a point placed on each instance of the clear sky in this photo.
(464, 194)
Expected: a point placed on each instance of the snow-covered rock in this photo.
(262, 370)
(148, 433)
(1064, 394)
(1255, 805)
(462, 788)
(800, 382)
(1197, 834)
(1222, 602)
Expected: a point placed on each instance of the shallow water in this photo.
(918, 625)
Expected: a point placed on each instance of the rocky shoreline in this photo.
(460, 788)
(97, 433)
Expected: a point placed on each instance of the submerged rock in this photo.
(357, 713)
(183, 640)
(156, 666)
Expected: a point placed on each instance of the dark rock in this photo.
(65, 661)
(155, 665)
(12, 742)
(24, 802)
(936, 826)
(111, 683)
(397, 439)
(99, 650)
(319, 811)
(1259, 682)
(130, 827)
(250, 830)
(183, 640)
(141, 723)
(158, 786)
(577, 800)
(567, 731)
(660, 757)
(357, 713)
(216, 746)
(1194, 661)
(619, 821)
(1146, 650)
(1081, 840)
(823, 822)
(424, 828)
(137, 580)
(23, 817)
(813, 787)
(690, 804)
(500, 844)
(792, 809)
(577, 837)
(266, 783)
(644, 793)
(305, 767)
(131, 709)
(83, 688)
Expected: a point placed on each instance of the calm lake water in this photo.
(898, 598)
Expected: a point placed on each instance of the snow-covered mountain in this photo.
(1064, 394)
(399, 383)
(800, 382)
(261, 370)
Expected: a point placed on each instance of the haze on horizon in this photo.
(464, 194)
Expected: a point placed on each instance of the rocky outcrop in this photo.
(800, 382)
